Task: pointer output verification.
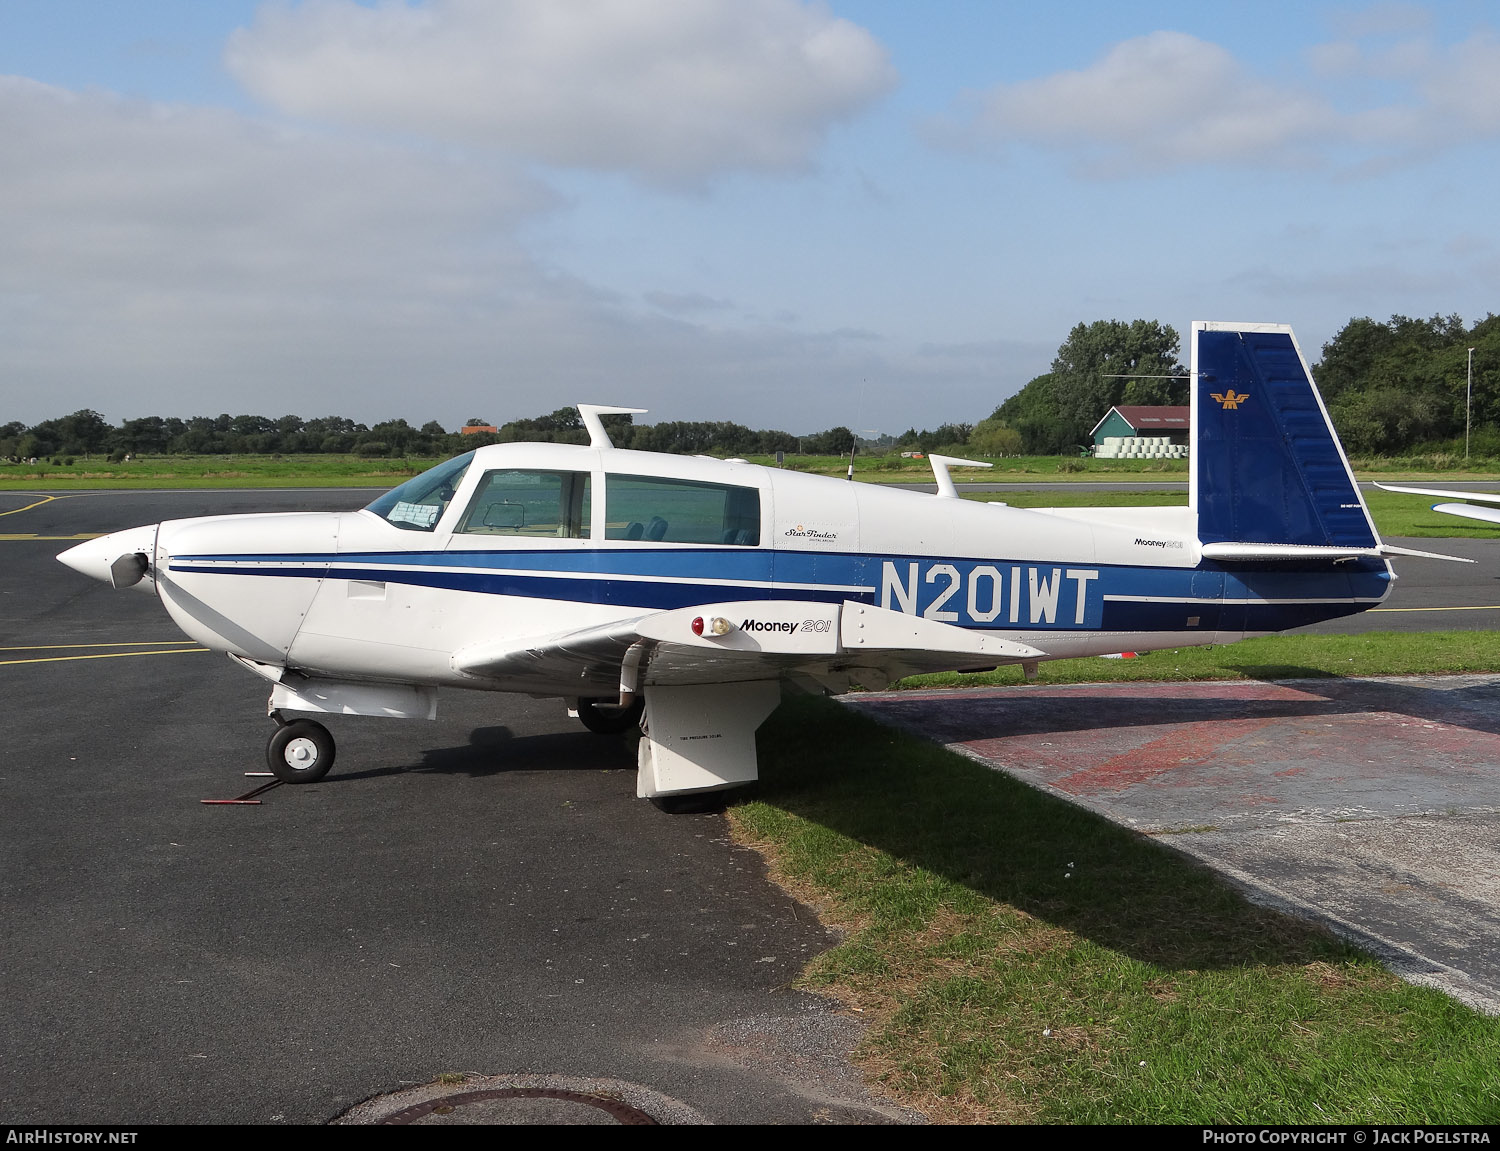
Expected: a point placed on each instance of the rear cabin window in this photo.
(656, 510)
(542, 505)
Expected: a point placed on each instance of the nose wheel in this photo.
(300, 752)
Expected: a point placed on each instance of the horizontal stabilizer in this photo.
(1262, 552)
(1270, 553)
(1391, 550)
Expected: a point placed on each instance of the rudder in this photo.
(1267, 466)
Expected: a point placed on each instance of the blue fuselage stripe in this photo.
(974, 593)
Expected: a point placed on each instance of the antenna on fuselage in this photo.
(944, 480)
(598, 437)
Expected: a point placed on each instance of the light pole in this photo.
(1468, 404)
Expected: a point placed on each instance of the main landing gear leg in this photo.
(300, 751)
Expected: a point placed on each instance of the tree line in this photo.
(1392, 388)
(87, 433)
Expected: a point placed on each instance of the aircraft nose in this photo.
(120, 559)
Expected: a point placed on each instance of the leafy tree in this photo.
(83, 432)
(1394, 386)
(837, 441)
(1099, 361)
(1099, 366)
(993, 437)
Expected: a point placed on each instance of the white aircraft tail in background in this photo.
(1467, 511)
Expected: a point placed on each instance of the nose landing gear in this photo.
(603, 717)
(300, 751)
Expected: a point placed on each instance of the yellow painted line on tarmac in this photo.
(122, 643)
(28, 507)
(26, 536)
(102, 655)
(1477, 607)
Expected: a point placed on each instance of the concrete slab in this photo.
(1371, 804)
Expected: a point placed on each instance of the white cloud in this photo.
(1384, 19)
(159, 259)
(1157, 100)
(670, 90)
(1462, 87)
(1168, 99)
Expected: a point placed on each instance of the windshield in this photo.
(419, 503)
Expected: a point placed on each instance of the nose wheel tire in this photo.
(300, 752)
(604, 717)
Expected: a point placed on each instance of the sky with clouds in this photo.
(787, 214)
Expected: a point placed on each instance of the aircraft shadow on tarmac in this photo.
(1012, 842)
(1040, 711)
(497, 750)
(1475, 706)
(1043, 856)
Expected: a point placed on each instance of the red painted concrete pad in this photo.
(1159, 756)
(1372, 805)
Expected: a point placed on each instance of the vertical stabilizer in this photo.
(1267, 466)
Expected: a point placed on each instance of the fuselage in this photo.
(536, 540)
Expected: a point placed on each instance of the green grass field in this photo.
(1395, 515)
(1021, 959)
(149, 472)
(1272, 657)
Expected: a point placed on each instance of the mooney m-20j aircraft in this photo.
(692, 588)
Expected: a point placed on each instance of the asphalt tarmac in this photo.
(483, 894)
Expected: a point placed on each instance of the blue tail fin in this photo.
(1267, 467)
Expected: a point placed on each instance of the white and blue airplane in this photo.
(681, 593)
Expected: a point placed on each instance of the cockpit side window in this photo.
(537, 504)
(419, 503)
(653, 509)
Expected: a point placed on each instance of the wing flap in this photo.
(739, 640)
(588, 656)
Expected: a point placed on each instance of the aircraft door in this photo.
(817, 545)
(1227, 619)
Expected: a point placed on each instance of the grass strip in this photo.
(1021, 959)
(174, 472)
(1273, 657)
(1394, 514)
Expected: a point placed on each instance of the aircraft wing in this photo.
(739, 641)
(1441, 493)
(1467, 511)
(1470, 511)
